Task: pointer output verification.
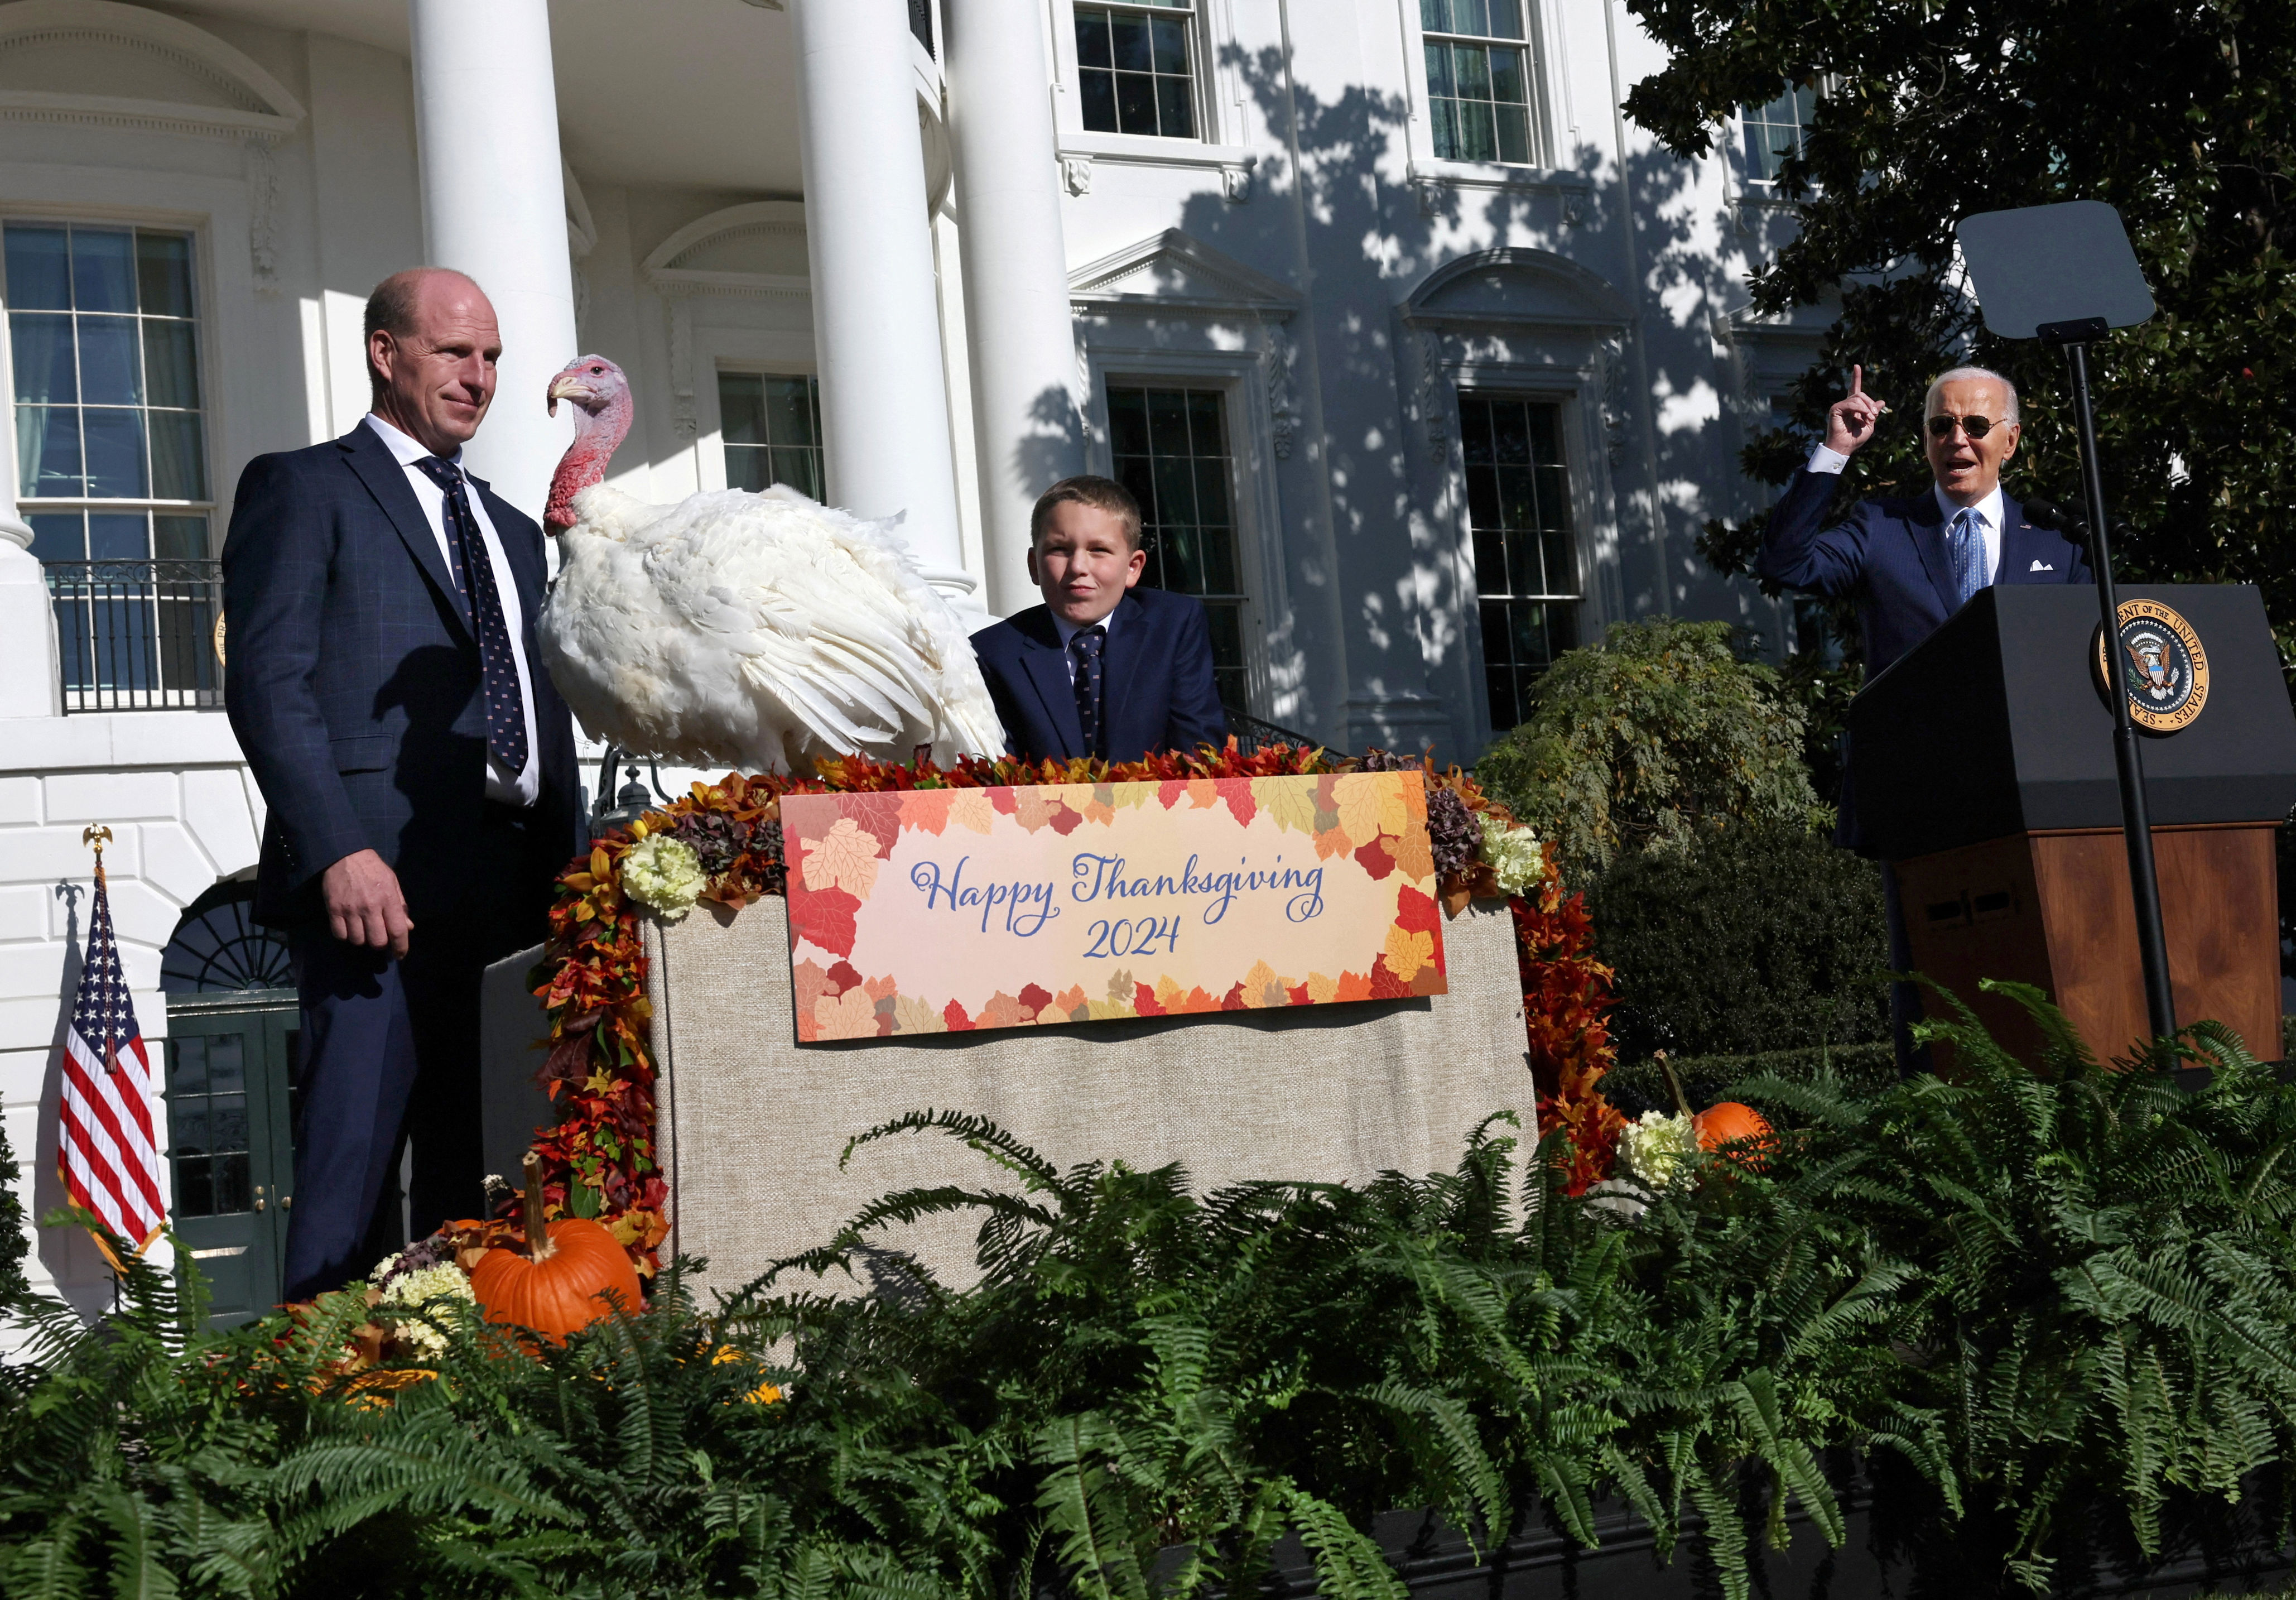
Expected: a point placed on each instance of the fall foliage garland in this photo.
(598, 1161)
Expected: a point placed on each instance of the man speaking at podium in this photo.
(1912, 563)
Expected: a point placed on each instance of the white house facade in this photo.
(1424, 364)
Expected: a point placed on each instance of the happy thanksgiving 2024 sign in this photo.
(932, 910)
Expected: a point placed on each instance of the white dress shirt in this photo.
(1823, 459)
(1069, 630)
(524, 787)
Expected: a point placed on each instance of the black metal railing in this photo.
(138, 635)
(920, 25)
(1251, 732)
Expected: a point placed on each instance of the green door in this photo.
(231, 1142)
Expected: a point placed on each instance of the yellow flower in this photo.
(664, 875)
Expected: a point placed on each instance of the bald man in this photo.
(417, 768)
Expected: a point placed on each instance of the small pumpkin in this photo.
(1726, 1123)
(557, 1282)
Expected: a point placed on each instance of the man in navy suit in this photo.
(417, 768)
(1913, 562)
(1103, 668)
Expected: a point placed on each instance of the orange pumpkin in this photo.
(1728, 1122)
(557, 1284)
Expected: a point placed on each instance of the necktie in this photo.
(1969, 573)
(1085, 647)
(474, 579)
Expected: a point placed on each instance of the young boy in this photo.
(1103, 668)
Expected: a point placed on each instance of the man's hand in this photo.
(364, 904)
(1850, 420)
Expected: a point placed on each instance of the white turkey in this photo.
(755, 629)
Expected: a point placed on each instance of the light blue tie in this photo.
(1969, 574)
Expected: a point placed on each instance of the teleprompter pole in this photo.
(2129, 756)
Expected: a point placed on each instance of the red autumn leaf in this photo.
(1234, 999)
(1145, 1001)
(1035, 999)
(1237, 793)
(1374, 859)
(1299, 995)
(876, 814)
(1385, 985)
(1065, 821)
(824, 917)
(953, 1015)
(1417, 913)
(842, 977)
(1001, 797)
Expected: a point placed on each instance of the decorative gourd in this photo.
(1728, 1121)
(556, 1285)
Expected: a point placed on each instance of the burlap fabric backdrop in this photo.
(751, 1123)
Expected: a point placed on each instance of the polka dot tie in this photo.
(474, 579)
(1085, 647)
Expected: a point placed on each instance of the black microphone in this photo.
(2049, 514)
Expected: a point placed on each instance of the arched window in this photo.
(218, 948)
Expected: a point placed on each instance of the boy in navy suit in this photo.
(1103, 668)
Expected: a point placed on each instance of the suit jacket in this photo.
(1893, 556)
(1157, 687)
(354, 682)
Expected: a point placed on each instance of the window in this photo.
(111, 457)
(1478, 79)
(207, 1122)
(1134, 67)
(1171, 452)
(1526, 561)
(772, 430)
(1775, 131)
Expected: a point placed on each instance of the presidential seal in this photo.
(2167, 669)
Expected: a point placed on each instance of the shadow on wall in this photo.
(1392, 587)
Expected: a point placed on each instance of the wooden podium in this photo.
(1982, 769)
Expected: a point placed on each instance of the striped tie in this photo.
(474, 577)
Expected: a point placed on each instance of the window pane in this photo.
(789, 411)
(111, 373)
(179, 468)
(103, 269)
(1518, 512)
(119, 536)
(39, 270)
(1168, 421)
(48, 447)
(58, 535)
(1228, 671)
(43, 351)
(1515, 134)
(194, 1187)
(179, 538)
(115, 454)
(1473, 62)
(1440, 82)
(1175, 117)
(1435, 15)
(1490, 561)
(1506, 19)
(747, 467)
(163, 271)
(1099, 90)
(171, 367)
(1128, 37)
(1091, 39)
(1478, 138)
(741, 408)
(1135, 102)
(1127, 420)
(801, 471)
(1171, 37)
(1175, 489)
(231, 1184)
(1506, 75)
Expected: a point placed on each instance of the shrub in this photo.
(1638, 742)
(1640, 1085)
(1757, 938)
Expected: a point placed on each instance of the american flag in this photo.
(110, 1163)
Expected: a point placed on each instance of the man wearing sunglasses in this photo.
(1911, 563)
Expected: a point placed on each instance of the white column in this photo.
(876, 314)
(493, 206)
(1025, 387)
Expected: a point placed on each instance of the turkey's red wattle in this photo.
(597, 435)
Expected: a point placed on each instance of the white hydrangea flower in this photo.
(444, 1281)
(1655, 1146)
(664, 875)
(1512, 855)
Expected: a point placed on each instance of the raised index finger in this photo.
(1857, 380)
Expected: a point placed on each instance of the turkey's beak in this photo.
(565, 387)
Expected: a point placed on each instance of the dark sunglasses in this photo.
(1941, 425)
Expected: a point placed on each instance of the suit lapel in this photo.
(1926, 523)
(2022, 544)
(1126, 644)
(1046, 665)
(386, 480)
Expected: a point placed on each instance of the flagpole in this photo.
(95, 836)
